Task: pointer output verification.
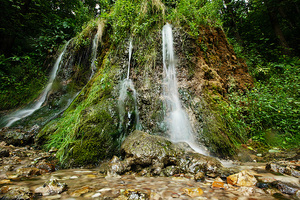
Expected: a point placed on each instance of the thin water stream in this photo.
(31, 108)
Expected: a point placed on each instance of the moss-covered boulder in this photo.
(157, 156)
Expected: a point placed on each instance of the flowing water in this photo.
(127, 102)
(31, 108)
(94, 54)
(177, 119)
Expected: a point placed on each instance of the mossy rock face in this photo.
(203, 81)
(95, 137)
(90, 151)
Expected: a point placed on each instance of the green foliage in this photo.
(268, 27)
(30, 32)
(270, 111)
(134, 18)
(137, 18)
(82, 39)
(195, 13)
(21, 79)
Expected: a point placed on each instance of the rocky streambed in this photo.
(149, 167)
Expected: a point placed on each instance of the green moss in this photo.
(90, 150)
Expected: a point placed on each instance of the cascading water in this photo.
(20, 114)
(177, 119)
(96, 39)
(94, 54)
(127, 97)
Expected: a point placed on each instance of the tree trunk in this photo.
(272, 12)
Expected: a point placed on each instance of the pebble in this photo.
(96, 195)
(218, 185)
(193, 192)
(78, 193)
(53, 197)
(105, 190)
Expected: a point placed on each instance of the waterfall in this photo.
(127, 99)
(129, 57)
(94, 54)
(31, 108)
(176, 117)
(97, 38)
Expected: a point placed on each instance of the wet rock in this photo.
(17, 137)
(263, 185)
(142, 150)
(4, 153)
(266, 179)
(51, 187)
(96, 195)
(286, 188)
(135, 194)
(285, 168)
(45, 166)
(243, 178)
(15, 192)
(4, 181)
(8, 168)
(218, 185)
(145, 172)
(83, 190)
(175, 195)
(246, 191)
(116, 166)
(104, 168)
(193, 192)
(223, 172)
(19, 153)
(29, 171)
(200, 176)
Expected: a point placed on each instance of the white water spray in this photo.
(28, 110)
(128, 87)
(177, 119)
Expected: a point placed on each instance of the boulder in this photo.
(141, 150)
